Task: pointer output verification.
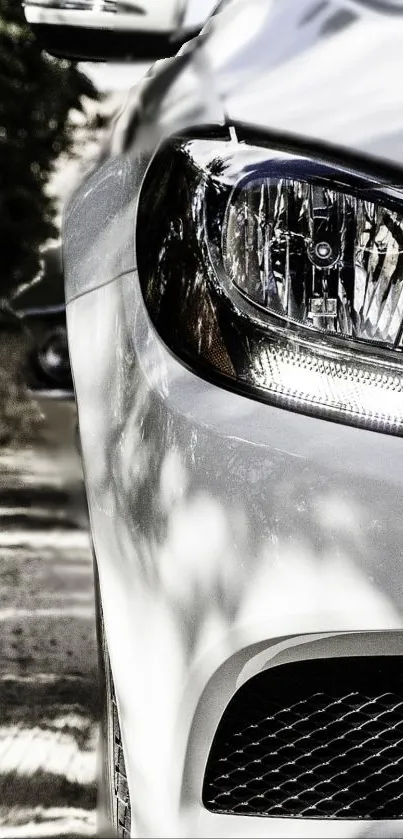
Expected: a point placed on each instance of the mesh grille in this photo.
(312, 739)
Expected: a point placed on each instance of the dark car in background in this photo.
(47, 365)
(40, 312)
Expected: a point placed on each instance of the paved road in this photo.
(48, 673)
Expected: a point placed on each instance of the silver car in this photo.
(234, 285)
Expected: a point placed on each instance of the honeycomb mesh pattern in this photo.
(310, 739)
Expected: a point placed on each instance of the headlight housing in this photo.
(278, 275)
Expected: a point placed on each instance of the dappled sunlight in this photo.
(44, 539)
(30, 750)
(47, 754)
(173, 482)
(298, 593)
(48, 672)
(196, 542)
(208, 540)
(38, 821)
(335, 514)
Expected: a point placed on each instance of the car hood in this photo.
(322, 73)
(325, 71)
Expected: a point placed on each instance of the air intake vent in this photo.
(320, 739)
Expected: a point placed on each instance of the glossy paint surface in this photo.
(323, 71)
(218, 523)
(226, 530)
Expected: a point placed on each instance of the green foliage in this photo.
(36, 95)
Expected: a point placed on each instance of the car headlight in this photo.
(278, 275)
(53, 357)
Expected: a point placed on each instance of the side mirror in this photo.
(116, 30)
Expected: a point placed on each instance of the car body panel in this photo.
(222, 526)
(218, 523)
(328, 72)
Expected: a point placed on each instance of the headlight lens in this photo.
(326, 259)
(278, 273)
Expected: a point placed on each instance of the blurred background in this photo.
(54, 121)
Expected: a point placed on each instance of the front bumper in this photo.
(222, 528)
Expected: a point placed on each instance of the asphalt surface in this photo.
(48, 665)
